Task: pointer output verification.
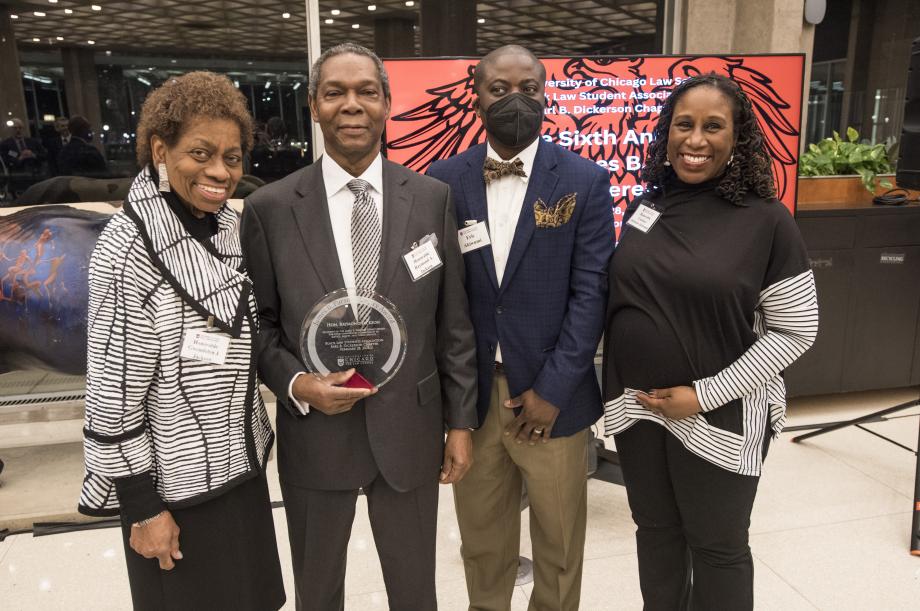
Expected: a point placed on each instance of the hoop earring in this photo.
(163, 185)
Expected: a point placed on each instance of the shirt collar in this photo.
(526, 156)
(336, 178)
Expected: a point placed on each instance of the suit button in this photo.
(499, 310)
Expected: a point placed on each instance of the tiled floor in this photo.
(830, 530)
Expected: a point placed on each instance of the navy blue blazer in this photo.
(548, 312)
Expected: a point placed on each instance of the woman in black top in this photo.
(711, 298)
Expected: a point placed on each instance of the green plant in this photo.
(835, 156)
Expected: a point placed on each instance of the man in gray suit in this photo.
(305, 236)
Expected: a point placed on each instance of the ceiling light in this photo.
(68, 11)
(143, 80)
(268, 84)
(330, 21)
(410, 3)
(14, 16)
(172, 61)
(48, 118)
(38, 14)
(480, 20)
(372, 7)
(335, 11)
(285, 15)
(36, 40)
(60, 37)
(40, 79)
(296, 86)
(108, 52)
(90, 42)
(96, 7)
(105, 127)
(355, 26)
(52, 1)
(9, 123)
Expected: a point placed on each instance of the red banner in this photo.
(603, 108)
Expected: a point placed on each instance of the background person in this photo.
(176, 441)
(79, 157)
(55, 142)
(537, 295)
(708, 304)
(20, 152)
(347, 221)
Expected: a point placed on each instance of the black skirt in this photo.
(230, 557)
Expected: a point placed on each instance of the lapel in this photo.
(474, 194)
(211, 285)
(397, 210)
(542, 182)
(311, 213)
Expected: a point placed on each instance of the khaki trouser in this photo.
(488, 502)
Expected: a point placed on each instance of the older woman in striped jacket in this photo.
(176, 437)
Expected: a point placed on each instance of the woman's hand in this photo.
(674, 403)
(158, 539)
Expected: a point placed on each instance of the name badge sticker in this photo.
(473, 237)
(644, 218)
(205, 346)
(422, 260)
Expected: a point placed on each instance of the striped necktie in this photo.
(365, 237)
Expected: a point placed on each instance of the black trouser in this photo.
(405, 532)
(692, 521)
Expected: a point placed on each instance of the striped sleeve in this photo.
(789, 313)
(122, 356)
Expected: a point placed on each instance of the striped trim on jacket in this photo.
(198, 428)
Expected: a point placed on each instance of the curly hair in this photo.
(751, 168)
(168, 110)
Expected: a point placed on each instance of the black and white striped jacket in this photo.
(198, 428)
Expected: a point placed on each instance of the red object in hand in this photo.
(357, 381)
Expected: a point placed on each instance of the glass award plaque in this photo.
(354, 328)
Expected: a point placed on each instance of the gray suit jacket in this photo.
(291, 257)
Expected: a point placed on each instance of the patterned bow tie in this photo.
(494, 169)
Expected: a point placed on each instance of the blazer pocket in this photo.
(429, 388)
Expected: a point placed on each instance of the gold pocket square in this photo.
(556, 215)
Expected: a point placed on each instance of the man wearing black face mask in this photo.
(536, 229)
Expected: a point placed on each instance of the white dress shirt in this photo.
(505, 198)
(340, 201)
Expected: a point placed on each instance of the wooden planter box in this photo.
(823, 192)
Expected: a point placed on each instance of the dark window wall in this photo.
(276, 91)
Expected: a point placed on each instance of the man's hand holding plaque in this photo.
(328, 393)
(354, 341)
